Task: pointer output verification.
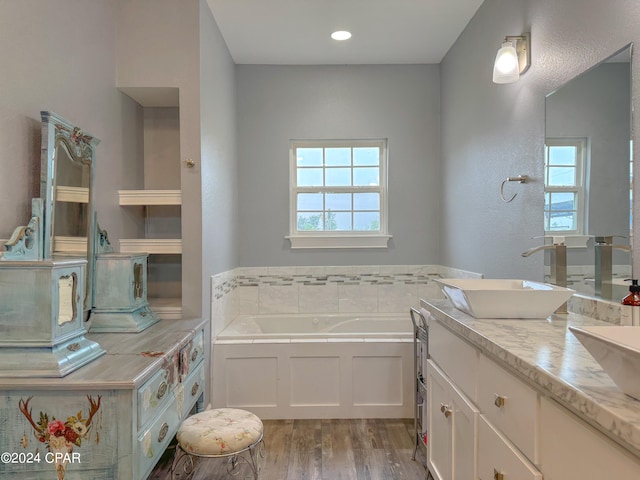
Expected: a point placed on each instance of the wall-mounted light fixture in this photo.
(513, 59)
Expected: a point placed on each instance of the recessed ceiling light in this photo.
(341, 35)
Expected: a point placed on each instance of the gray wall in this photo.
(493, 131)
(279, 103)
(69, 56)
(65, 63)
(219, 163)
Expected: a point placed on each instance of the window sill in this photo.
(570, 240)
(338, 241)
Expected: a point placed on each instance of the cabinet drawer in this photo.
(510, 405)
(191, 354)
(456, 357)
(155, 394)
(153, 441)
(498, 459)
(191, 389)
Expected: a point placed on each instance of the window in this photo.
(338, 194)
(564, 185)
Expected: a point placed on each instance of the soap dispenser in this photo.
(633, 299)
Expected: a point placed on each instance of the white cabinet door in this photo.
(440, 447)
(465, 420)
(452, 429)
(572, 450)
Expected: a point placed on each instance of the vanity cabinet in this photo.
(452, 419)
(521, 431)
(117, 414)
(481, 418)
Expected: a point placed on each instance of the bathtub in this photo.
(316, 366)
(318, 326)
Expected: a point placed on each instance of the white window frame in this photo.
(582, 156)
(337, 239)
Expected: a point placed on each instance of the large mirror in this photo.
(588, 176)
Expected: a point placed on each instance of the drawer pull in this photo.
(162, 390)
(499, 400)
(194, 389)
(497, 475)
(194, 355)
(164, 429)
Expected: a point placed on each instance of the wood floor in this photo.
(359, 449)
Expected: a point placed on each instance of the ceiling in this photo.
(297, 32)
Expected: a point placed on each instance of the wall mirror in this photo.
(587, 176)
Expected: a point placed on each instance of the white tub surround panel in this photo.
(315, 377)
(545, 359)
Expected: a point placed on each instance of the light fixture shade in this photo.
(506, 68)
(341, 35)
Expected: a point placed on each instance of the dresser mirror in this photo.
(587, 175)
(66, 190)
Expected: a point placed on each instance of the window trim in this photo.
(338, 239)
(582, 160)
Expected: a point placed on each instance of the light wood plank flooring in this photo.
(354, 449)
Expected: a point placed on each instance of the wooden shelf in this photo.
(150, 197)
(65, 244)
(151, 245)
(72, 194)
(166, 308)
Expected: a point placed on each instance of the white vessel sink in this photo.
(489, 298)
(617, 350)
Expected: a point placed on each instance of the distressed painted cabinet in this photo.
(120, 285)
(111, 419)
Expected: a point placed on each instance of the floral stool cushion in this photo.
(220, 431)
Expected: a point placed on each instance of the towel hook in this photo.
(519, 179)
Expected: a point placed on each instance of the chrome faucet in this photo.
(558, 260)
(604, 264)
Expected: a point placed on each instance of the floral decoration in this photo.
(60, 436)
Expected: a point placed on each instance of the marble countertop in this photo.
(549, 357)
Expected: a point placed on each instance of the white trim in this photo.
(572, 241)
(338, 241)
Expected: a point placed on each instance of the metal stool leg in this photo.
(183, 465)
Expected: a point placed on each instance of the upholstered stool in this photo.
(218, 433)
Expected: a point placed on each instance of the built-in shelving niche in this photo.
(157, 205)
